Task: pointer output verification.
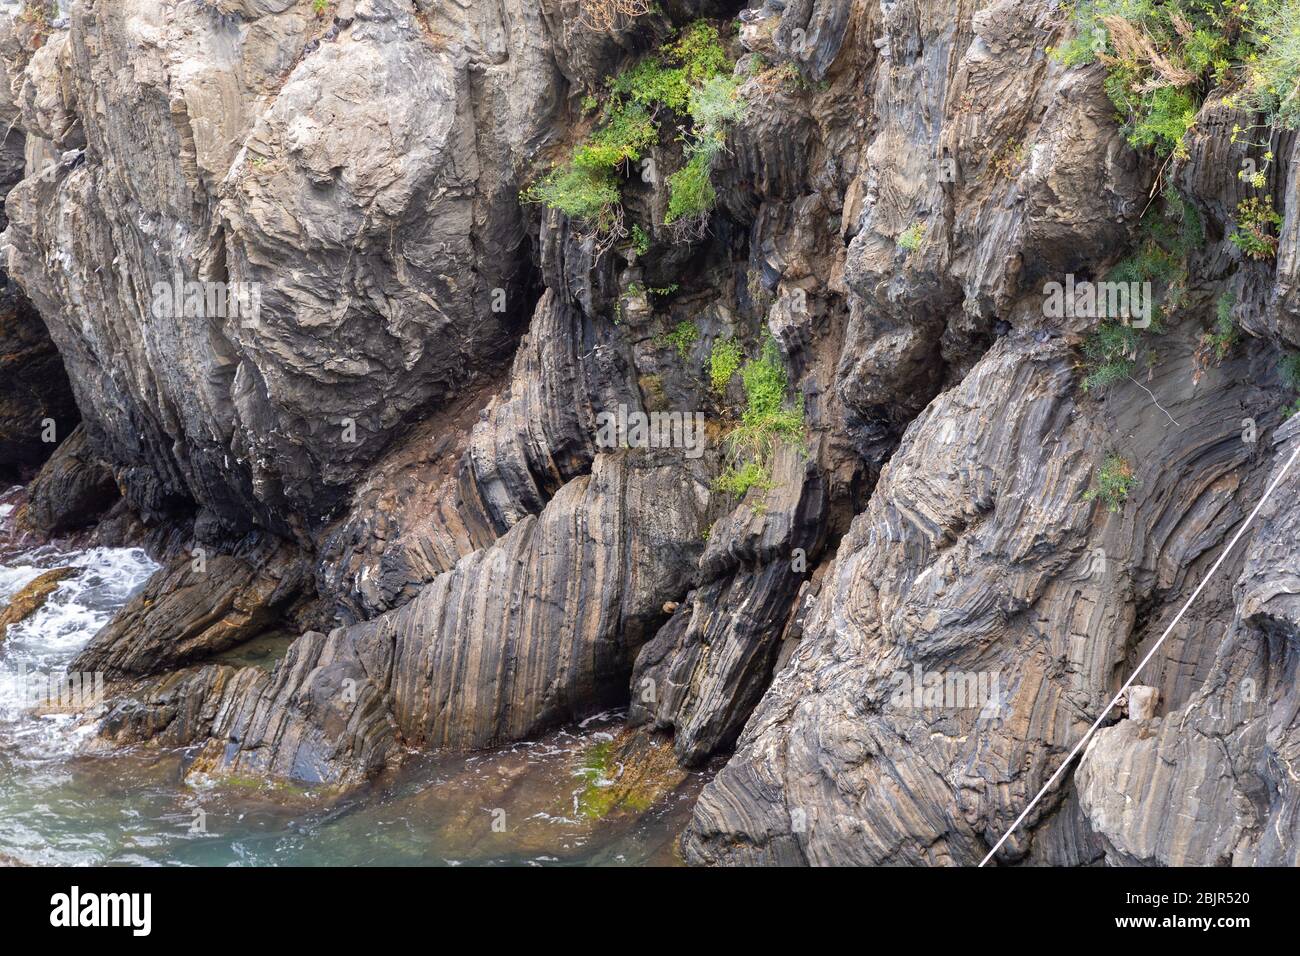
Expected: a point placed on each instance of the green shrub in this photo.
(1163, 56)
(627, 133)
(1110, 354)
(690, 190)
(1256, 221)
(715, 105)
(1163, 120)
(724, 360)
(911, 238)
(685, 78)
(1113, 483)
(1274, 73)
(682, 337)
(640, 240)
(1289, 369)
(738, 481)
(1220, 340)
(579, 193)
(766, 420)
(699, 51)
(1167, 236)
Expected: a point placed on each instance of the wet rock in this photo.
(199, 605)
(36, 406)
(71, 490)
(32, 597)
(706, 669)
(537, 629)
(627, 775)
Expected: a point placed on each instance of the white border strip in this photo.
(1151, 653)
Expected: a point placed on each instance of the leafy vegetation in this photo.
(766, 420)
(682, 337)
(738, 480)
(1273, 74)
(724, 361)
(1256, 222)
(1113, 483)
(1110, 354)
(640, 240)
(1163, 56)
(1222, 337)
(690, 190)
(686, 80)
(910, 239)
(1008, 159)
(1167, 237)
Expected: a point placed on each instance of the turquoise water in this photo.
(65, 799)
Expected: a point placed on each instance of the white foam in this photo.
(40, 647)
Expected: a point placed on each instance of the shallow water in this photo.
(61, 802)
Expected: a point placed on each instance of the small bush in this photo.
(580, 194)
(716, 105)
(1163, 56)
(1113, 483)
(738, 481)
(699, 51)
(627, 133)
(1109, 354)
(766, 420)
(1168, 235)
(690, 190)
(682, 337)
(1274, 73)
(686, 77)
(1289, 369)
(1163, 119)
(724, 360)
(1256, 222)
(911, 238)
(1219, 341)
(640, 240)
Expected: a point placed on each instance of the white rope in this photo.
(1151, 653)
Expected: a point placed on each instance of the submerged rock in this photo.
(31, 597)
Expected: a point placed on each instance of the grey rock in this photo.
(71, 490)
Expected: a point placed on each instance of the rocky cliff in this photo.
(738, 365)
